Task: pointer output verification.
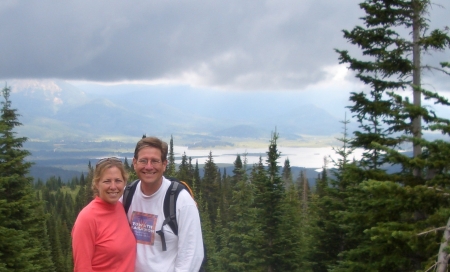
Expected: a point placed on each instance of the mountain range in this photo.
(58, 110)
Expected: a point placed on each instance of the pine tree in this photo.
(237, 171)
(23, 236)
(226, 195)
(207, 232)
(171, 169)
(404, 203)
(303, 190)
(269, 194)
(196, 178)
(183, 169)
(210, 186)
(80, 199)
(191, 171)
(290, 237)
(55, 241)
(245, 237)
(89, 193)
(393, 64)
(327, 237)
(287, 173)
(130, 170)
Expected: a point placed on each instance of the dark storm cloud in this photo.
(234, 44)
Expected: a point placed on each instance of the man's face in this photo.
(149, 168)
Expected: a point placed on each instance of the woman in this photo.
(101, 236)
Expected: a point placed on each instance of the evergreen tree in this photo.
(393, 63)
(270, 191)
(245, 236)
(237, 171)
(303, 189)
(207, 232)
(23, 236)
(171, 168)
(191, 170)
(392, 208)
(73, 183)
(210, 187)
(287, 173)
(292, 246)
(89, 193)
(130, 170)
(55, 241)
(327, 235)
(80, 198)
(40, 232)
(196, 178)
(183, 169)
(343, 161)
(226, 195)
(126, 165)
(39, 184)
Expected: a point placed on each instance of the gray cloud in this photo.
(230, 44)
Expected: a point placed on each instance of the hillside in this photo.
(55, 110)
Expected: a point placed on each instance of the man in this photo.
(146, 215)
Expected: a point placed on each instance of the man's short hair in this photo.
(152, 142)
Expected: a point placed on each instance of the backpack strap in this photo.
(128, 195)
(169, 206)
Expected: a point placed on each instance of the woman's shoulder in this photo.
(89, 211)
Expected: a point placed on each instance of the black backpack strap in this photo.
(170, 212)
(128, 195)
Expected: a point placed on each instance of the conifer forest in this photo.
(358, 216)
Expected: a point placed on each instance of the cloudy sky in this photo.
(228, 45)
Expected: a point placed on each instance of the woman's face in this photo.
(111, 184)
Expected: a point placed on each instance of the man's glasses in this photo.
(146, 161)
(112, 159)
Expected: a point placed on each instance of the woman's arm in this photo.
(83, 242)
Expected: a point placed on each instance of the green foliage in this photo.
(385, 219)
(24, 244)
(287, 173)
(130, 169)
(381, 213)
(245, 237)
(210, 187)
(290, 243)
(170, 170)
(184, 170)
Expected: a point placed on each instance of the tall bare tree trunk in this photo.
(417, 122)
(443, 256)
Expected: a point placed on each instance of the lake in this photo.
(308, 157)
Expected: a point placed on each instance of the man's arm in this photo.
(190, 241)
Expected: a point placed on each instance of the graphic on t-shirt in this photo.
(143, 226)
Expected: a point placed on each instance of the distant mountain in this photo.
(45, 98)
(304, 119)
(101, 116)
(241, 131)
(58, 110)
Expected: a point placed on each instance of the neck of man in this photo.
(150, 189)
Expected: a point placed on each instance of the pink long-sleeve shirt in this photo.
(102, 239)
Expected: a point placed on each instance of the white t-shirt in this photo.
(146, 215)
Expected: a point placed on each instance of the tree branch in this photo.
(428, 67)
(433, 230)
